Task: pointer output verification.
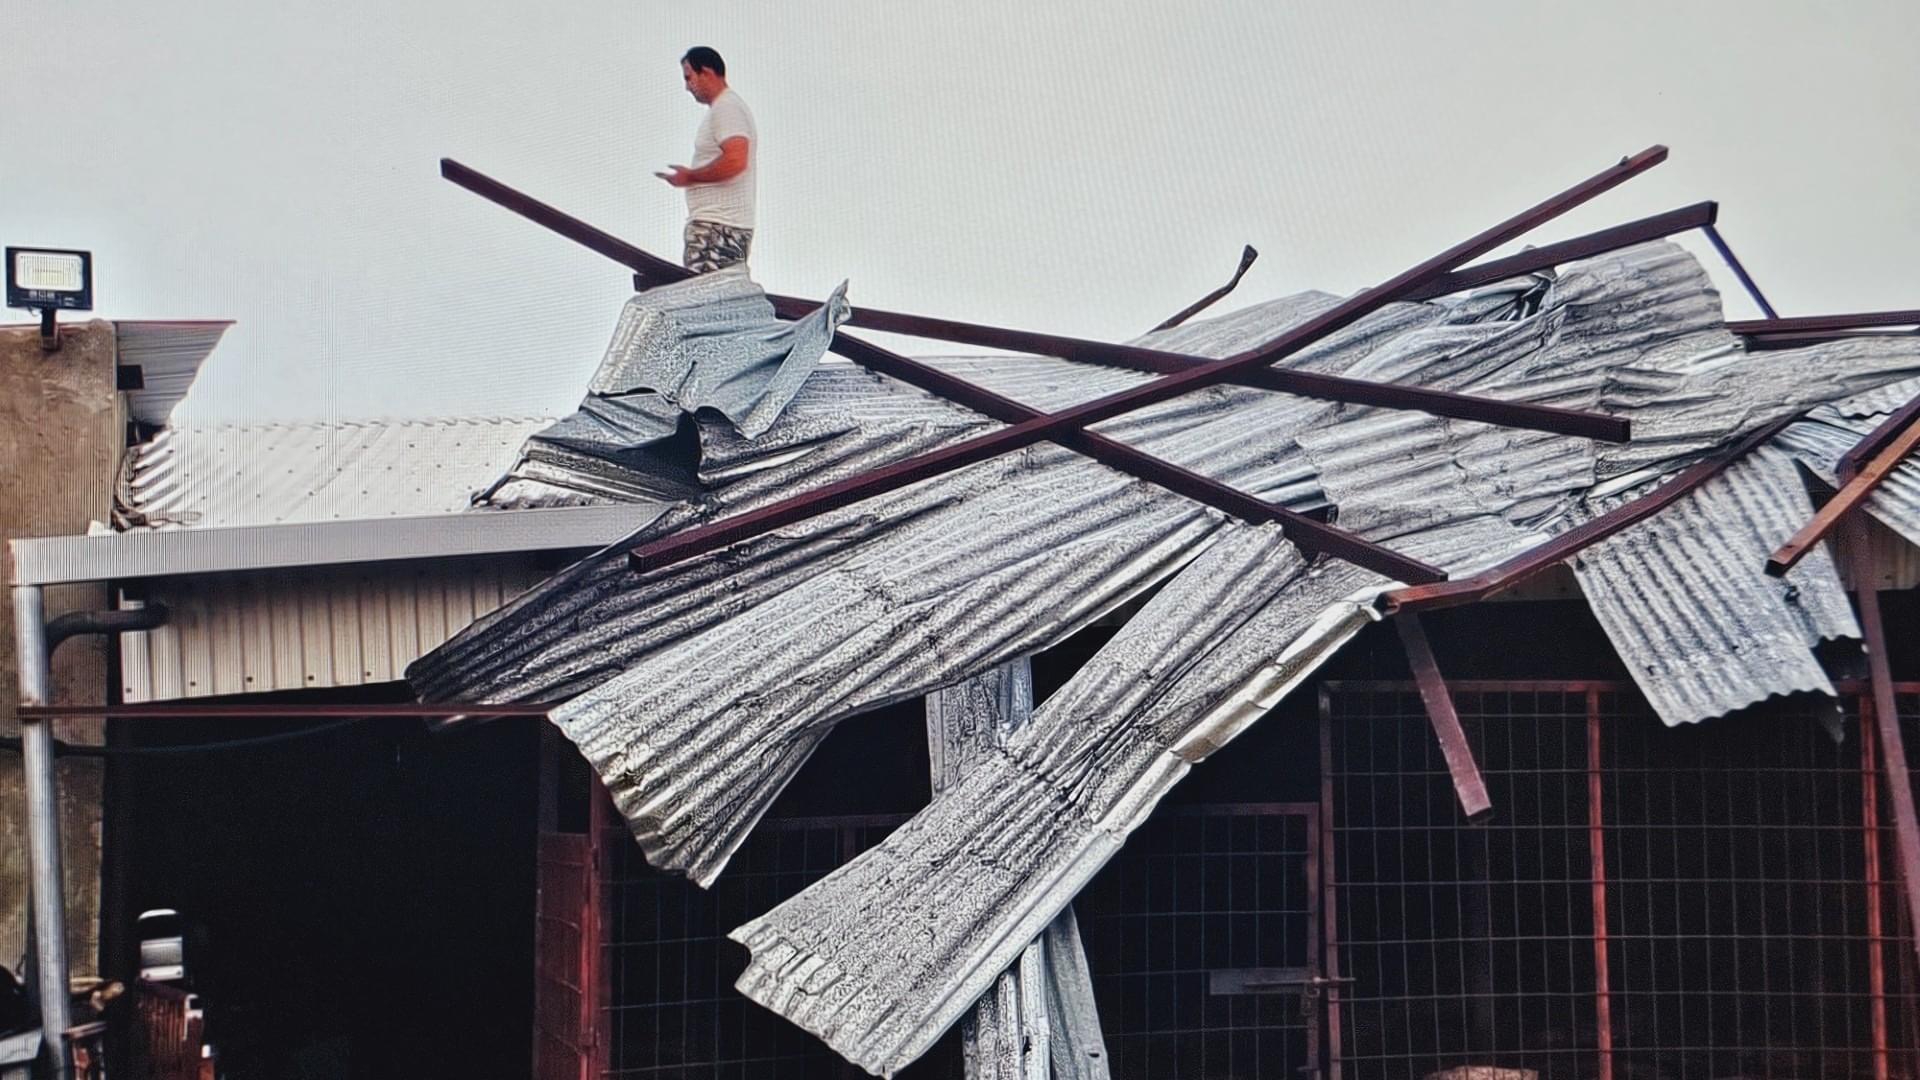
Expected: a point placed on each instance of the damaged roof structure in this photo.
(699, 663)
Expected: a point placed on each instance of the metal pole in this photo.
(1597, 854)
(1739, 271)
(45, 880)
(1870, 840)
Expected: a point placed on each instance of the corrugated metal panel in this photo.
(707, 346)
(877, 603)
(278, 473)
(1040, 1020)
(308, 629)
(1686, 600)
(169, 355)
(1820, 441)
(994, 858)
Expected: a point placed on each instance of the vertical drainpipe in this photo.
(45, 880)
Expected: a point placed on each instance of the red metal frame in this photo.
(1329, 910)
(1893, 753)
(1878, 439)
(1697, 216)
(1284, 380)
(1739, 271)
(1876, 933)
(1068, 427)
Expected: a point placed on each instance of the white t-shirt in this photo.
(729, 202)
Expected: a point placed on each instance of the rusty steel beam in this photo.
(651, 270)
(1858, 482)
(1468, 784)
(642, 262)
(1878, 439)
(1311, 534)
(715, 535)
(1886, 718)
(1304, 383)
(1698, 216)
(1247, 255)
(1535, 560)
(1801, 339)
(1876, 906)
(1826, 323)
(213, 711)
(1597, 862)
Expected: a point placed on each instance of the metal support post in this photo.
(46, 882)
(1468, 784)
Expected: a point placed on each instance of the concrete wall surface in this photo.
(62, 429)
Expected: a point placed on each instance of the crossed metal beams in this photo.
(1068, 427)
(1861, 469)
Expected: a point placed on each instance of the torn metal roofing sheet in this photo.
(1039, 1021)
(1685, 598)
(697, 690)
(218, 476)
(995, 858)
(708, 347)
(1818, 442)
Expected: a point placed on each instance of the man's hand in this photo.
(731, 163)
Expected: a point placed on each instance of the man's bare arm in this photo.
(731, 163)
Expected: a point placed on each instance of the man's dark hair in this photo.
(701, 58)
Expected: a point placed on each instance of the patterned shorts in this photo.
(712, 246)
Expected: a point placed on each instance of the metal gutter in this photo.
(46, 880)
(59, 560)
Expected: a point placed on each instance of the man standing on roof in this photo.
(720, 184)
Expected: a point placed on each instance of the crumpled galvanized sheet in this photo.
(1039, 1021)
(709, 343)
(852, 610)
(1686, 600)
(1818, 443)
(714, 342)
(992, 860)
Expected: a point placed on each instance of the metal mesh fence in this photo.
(1197, 936)
(1731, 899)
(672, 1012)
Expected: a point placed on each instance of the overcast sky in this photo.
(1084, 168)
